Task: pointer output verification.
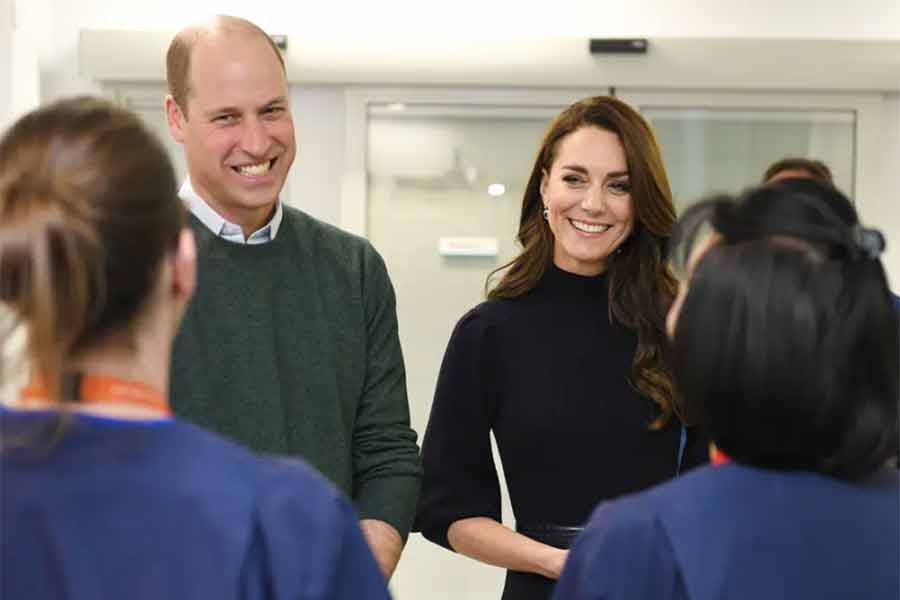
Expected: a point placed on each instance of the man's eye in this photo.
(224, 118)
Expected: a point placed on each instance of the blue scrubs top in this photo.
(118, 509)
(742, 533)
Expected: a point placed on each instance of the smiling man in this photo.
(290, 344)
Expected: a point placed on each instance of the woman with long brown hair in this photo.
(103, 494)
(567, 362)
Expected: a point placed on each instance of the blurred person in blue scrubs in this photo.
(104, 495)
(803, 168)
(781, 316)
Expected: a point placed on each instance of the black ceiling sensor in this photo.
(280, 42)
(619, 45)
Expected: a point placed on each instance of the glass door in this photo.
(716, 142)
(435, 180)
(708, 150)
(445, 185)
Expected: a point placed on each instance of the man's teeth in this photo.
(256, 170)
(588, 227)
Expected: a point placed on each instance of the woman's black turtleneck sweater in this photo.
(549, 374)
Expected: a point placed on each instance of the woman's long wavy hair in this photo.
(642, 286)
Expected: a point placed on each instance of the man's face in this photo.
(237, 133)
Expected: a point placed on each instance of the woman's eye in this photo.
(572, 179)
(620, 187)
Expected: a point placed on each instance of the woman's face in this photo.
(587, 195)
(696, 254)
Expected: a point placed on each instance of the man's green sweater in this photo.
(291, 347)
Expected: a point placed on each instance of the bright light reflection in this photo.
(496, 189)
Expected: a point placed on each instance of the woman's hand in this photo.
(553, 563)
(495, 544)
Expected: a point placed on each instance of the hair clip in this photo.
(869, 241)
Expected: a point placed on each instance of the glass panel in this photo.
(710, 150)
(154, 118)
(445, 174)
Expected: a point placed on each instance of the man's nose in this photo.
(254, 138)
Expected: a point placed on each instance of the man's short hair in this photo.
(816, 169)
(178, 57)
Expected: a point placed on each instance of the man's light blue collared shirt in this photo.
(223, 228)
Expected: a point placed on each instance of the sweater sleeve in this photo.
(386, 466)
(460, 477)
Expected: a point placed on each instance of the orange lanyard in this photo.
(717, 457)
(101, 389)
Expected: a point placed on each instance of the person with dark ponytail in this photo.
(804, 168)
(567, 363)
(787, 351)
(103, 494)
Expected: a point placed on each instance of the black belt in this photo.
(559, 536)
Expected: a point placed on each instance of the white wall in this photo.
(819, 19)
(20, 89)
(5, 117)
(25, 94)
(884, 212)
(315, 182)
(6, 13)
(356, 20)
(54, 25)
(19, 92)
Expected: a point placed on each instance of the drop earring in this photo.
(546, 213)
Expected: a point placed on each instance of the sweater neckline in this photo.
(211, 245)
(558, 278)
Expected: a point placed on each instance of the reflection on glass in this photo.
(710, 150)
(444, 172)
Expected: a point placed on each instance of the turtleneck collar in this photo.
(561, 278)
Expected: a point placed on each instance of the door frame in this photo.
(354, 186)
(869, 179)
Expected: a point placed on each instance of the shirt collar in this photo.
(222, 227)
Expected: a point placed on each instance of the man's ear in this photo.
(184, 271)
(175, 118)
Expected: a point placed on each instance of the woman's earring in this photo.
(546, 213)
